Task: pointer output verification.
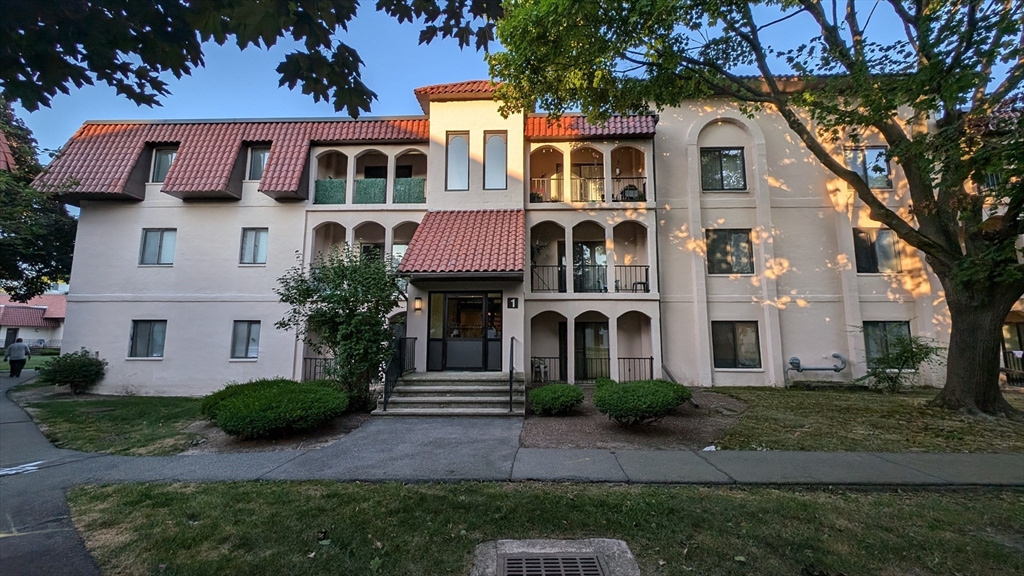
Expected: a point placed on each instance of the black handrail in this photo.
(400, 362)
(632, 278)
(511, 368)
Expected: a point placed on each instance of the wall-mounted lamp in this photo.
(417, 304)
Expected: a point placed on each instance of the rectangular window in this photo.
(735, 345)
(722, 169)
(729, 251)
(245, 339)
(495, 161)
(162, 160)
(158, 246)
(870, 162)
(878, 335)
(254, 246)
(877, 250)
(257, 161)
(457, 161)
(147, 340)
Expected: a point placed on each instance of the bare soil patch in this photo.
(687, 427)
(215, 441)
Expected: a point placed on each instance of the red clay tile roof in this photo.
(575, 126)
(101, 155)
(459, 241)
(56, 304)
(25, 316)
(468, 90)
(6, 157)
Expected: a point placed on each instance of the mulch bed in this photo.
(686, 427)
(215, 441)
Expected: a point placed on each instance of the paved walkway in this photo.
(36, 535)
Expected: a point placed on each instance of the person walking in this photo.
(17, 353)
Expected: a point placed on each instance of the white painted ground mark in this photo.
(22, 469)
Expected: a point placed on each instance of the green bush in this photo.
(360, 398)
(270, 411)
(602, 382)
(638, 403)
(47, 352)
(76, 370)
(555, 398)
(210, 403)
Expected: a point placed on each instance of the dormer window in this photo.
(257, 161)
(162, 160)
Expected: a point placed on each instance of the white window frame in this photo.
(255, 247)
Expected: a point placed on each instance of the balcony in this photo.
(633, 278)
(633, 369)
(590, 278)
(632, 189)
(370, 191)
(588, 189)
(329, 191)
(410, 190)
(547, 278)
(543, 190)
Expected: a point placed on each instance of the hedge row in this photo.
(627, 403)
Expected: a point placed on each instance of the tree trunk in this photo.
(972, 362)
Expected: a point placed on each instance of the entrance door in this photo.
(12, 335)
(465, 331)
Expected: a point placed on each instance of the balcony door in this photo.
(465, 331)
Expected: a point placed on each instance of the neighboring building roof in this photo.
(576, 126)
(461, 241)
(56, 305)
(101, 156)
(6, 156)
(455, 91)
(25, 316)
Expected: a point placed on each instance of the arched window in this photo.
(457, 177)
(495, 161)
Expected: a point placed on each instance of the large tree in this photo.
(942, 90)
(37, 235)
(48, 47)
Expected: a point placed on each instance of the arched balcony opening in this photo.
(331, 177)
(549, 350)
(546, 175)
(369, 239)
(635, 348)
(371, 183)
(587, 175)
(327, 236)
(589, 258)
(411, 178)
(629, 178)
(632, 264)
(592, 354)
(547, 258)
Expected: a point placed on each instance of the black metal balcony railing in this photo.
(631, 189)
(633, 278)
(547, 278)
(544, 369)
(315, 368)
(632, 369)
(589, 369)
(544, 190)
(590, 278)
(588, 190)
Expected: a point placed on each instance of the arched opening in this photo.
(369, 239)
(629, 180)
(371, 183)
(589, 258)
(587, 175)
(401, 236)
(331, 176)
(592, 354)
(636, 356)
(546, 175)
(632, 264)
(410, 178)
(325, 237)
(397, 324)
(549, 348)
(547, 258)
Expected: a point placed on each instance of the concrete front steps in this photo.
(455, 394)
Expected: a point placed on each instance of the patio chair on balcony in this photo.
(540, 370)
(630, 193)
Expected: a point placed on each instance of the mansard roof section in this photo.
(112, 160)
(540, 127)
(454, 92)
(467, 242)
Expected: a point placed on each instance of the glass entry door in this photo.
(465, 331)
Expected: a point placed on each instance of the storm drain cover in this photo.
(550, 565)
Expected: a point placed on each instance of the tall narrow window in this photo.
(457, 171)
(878, 336)
(162, 160)
(147, 340)
(735, 345)
(495, 161)
(245, 339)
(721, 169)
(729, 251)
(254, 246)
(158, 246)
(257, 161)
(871, 164)
(877, 251)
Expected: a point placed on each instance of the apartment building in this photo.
(698, 244)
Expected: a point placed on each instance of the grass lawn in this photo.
(34, 362)
(834, 420)
(133, 425)
(272, 528)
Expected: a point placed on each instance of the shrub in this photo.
(76, 370)
(641, 402)
(360, 397)
(208, 407)
(47, 352)
(905, 354)
(555, 398)
(278, 410)
(602, 382)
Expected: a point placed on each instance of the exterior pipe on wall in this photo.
(794, 364)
